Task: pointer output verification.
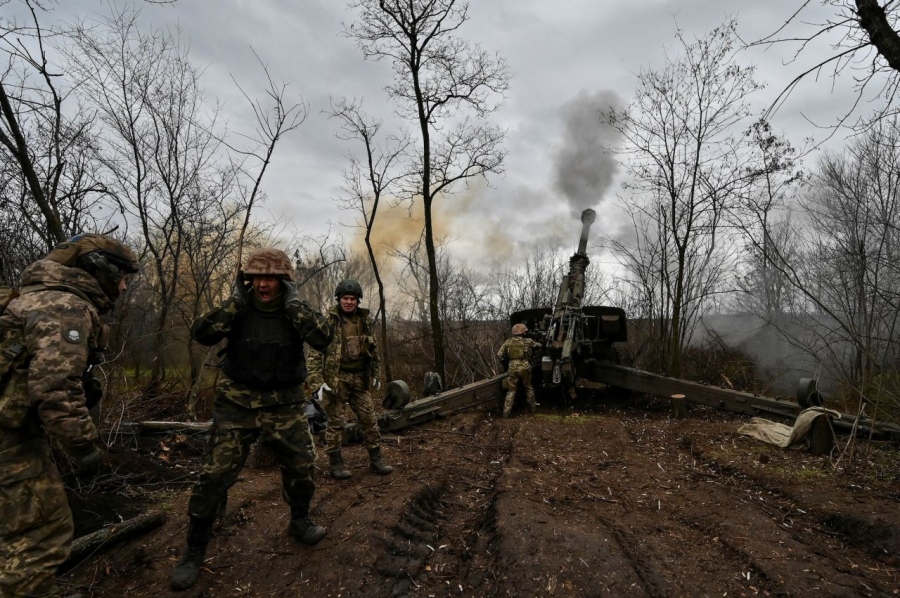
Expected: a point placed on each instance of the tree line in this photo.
(105, 127)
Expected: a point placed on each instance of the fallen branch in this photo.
(109, 535)
(175, 426)
(163, 427)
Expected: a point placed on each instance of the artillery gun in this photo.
(576, 342)
(573, 337)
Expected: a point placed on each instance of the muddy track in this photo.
(764, 530)
(603, 503)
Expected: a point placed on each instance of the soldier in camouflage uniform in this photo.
(516, 352)
(259, 395)
(345, 372)
(49, 336)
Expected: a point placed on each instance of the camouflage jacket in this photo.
(517, 345)
(57, 317)
(324, 365)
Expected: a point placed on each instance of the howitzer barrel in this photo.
(587, 219)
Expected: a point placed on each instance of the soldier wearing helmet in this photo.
(50, 335)
(346, 372)
(516, 354)
(260, 395)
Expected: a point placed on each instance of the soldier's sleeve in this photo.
(504, 349)
(314, 329)
(213, 326)
(315, 364)
(375, 359)
(58, 339)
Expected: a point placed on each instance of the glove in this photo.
(239, 292)
(88, 460)
(375, 383)
(291, 294)
(93, 390)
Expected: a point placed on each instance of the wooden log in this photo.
(821, 436)
(679, 406)
(110, 535)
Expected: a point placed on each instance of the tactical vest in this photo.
(355, 346)
(265, 351)
(518, 349)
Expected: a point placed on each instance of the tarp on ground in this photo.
(786, 436)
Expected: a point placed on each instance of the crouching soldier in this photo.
(49, 336)
(346, 372)
(259, 395)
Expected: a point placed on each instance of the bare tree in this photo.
(366, 181)
(864, 42)
(687, 168)
(446, 86)
(272, 124)
(854, 210)
(773, 177)
(845, 275)
(158, 148)
(47, 176)
(322, 262)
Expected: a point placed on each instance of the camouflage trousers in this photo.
(35, 531)
(519, 374)
(284, 428)
(353, 390)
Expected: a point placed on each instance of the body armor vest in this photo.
(265, 351)
(518, 349)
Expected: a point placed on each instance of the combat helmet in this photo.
(104, 258)
(519, 329)
(348, 287)
(269, 261)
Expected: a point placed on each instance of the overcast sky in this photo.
(566, 58)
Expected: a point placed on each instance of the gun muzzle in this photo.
(587, 219)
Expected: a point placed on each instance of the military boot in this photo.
(376, 464)
(302, 528)
(338, 470)
(188, 569)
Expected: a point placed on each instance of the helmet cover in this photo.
(269, 261)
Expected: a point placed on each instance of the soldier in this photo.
(259, 394)
(49, 337)
(345, 373)
(516, 354)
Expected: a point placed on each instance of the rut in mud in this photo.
(586, 500)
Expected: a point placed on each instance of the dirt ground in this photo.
(595, 498)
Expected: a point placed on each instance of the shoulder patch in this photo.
(73, 332)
